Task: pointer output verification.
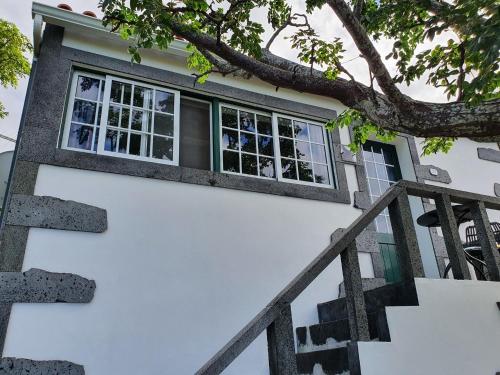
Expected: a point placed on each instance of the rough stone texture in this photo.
(39, 286)
(378, 265)
(281, 345)
(53, 213)
(21, 366)
(496, 188)
(488, 154)
(368, 284)
(366, 241)
(362, 200)
(424, 172)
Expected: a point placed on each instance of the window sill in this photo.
(138, 168)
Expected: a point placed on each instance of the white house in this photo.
(176, 211)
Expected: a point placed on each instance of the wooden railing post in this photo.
(405, 238)
(486, 239)
(281, 345)
(452, 237)
(355, 298)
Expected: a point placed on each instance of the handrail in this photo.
(396, 198)
(264, 318)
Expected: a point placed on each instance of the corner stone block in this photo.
(54, 213)
(39, 286)
(21, 366)
(432, 173)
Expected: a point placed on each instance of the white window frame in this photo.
(277, 153)
(104, 118)
(71, 107)
(221, 148)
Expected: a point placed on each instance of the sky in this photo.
(324, 21)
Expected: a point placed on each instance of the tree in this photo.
(13, 63)
(224, 38)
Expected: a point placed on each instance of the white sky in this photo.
(324, 21)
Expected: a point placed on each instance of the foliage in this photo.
(13, 63)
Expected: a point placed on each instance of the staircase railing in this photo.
(276, 317)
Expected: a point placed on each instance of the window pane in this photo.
(391, 172)
(247, 121)
(96, 138)
(141, 121)
(303, 151)
(285, 127)
(377, 155)
(266, 166)
(321, 174)
(247, 142)
(163, 148)
(301, 130)
(318, 153)
(286, 148)
(231, 161)
(288, 169)
(164, 101)
(120, 92)
(266, 146)
(139, 145)
(125, 118)
(99, 114)
(264, 125)
(384, 185)
(381, 171)
(143, 97)
(164, 124)
(111, 140)
(316, 133)
(249, 164)
(230, 139)
(80, 136)
(229, 117)
(367, 155)
(122, 142)
(84, 111)
(87, 88)
(370, 169)
(305, 171)
(374, 187)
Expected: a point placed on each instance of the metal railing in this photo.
(276, 317)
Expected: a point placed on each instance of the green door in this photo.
(382, 171)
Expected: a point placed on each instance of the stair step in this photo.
(331, 362)
(330, 335)
(400, 294)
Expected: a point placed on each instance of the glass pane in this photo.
(389, 157)
(247, 121)
(164, 101)
(367, 155)
(384, 185)
(305, 171)
(99, 114)
(249, 164)
(139, 121)
(247, 142)
(163, 148)
(87, 88)
(286, 148)
(164, 124)
(230, 139)
(264, 125)
(301, 130)
(116, 92)
(381, 224)
(381, 171)
(266, 146)
(266, 166)
(111, 140)
(303, 151)
(285, 127)
(374, 187)
(84, 111)
(125, 118)
(122, 142)
(127, 93)
(370, 169)
(80, 136)
(288, 169)
(318, 153)
(139, 144)
(113, 115)
(231, 161)
(229, 117)
(143, 97)
(321, 174)
(391, 172)
(377, 155)
(316, 132)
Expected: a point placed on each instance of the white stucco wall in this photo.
(179, 271)
(455, 330)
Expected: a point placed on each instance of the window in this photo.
(247, 145)
(274, 146)
(138, 120)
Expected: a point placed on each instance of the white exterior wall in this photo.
(455, 330)
(179, 271)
